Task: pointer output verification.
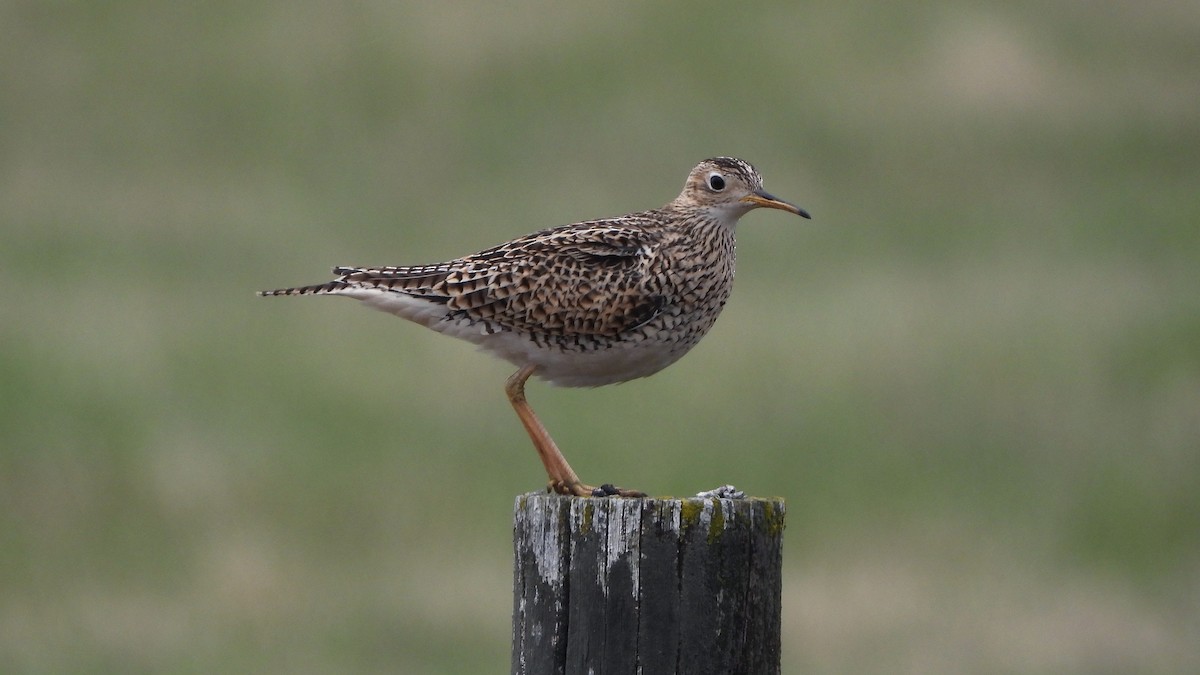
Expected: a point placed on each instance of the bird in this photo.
(587, 304)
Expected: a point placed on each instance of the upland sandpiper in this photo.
(586, 304)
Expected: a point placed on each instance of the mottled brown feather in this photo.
(519, 285)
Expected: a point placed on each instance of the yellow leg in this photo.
(563, 479)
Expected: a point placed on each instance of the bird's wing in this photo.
(587, 279)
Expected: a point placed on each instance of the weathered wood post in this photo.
(612, 585)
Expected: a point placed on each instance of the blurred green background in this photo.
(975, 375)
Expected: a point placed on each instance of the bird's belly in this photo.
(568, 362)
(608, 366)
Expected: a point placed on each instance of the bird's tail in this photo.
(327, 288)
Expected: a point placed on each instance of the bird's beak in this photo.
(760, 198)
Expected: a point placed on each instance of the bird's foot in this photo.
(610, 490)
(582, 490)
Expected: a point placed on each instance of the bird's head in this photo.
(731, 185)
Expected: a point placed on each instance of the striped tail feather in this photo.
(328, 288)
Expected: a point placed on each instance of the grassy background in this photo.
(975, 375)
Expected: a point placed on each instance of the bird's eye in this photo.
(716, 182)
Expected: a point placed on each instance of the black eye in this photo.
(716, 182)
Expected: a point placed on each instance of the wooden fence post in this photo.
(612, 585)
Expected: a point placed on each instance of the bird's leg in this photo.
(563, 479)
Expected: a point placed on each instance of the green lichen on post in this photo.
(585, 523)
(716, 526)
(772, 518)
(689, 512)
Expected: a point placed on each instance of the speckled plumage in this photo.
(585, 304)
